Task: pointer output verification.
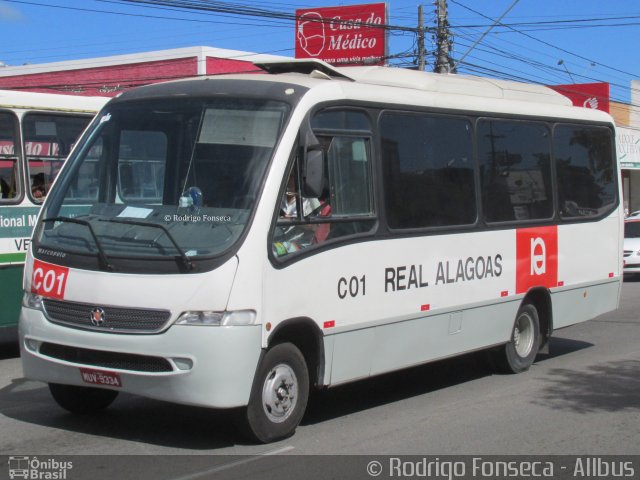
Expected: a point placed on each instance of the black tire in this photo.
(519, 354)
(81, 400)
(278, 397)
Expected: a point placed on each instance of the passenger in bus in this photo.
(289, 206)
(4, 188)
(322, 230)
(37, 187)
(300, 236)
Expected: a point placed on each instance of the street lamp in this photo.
(561, 62)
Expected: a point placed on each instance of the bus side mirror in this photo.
(313, 173)
(312, 162)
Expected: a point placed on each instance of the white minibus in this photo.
(247, 238)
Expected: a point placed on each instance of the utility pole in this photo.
(421, 52)
(444, 63)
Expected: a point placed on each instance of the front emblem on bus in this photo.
(97, 317)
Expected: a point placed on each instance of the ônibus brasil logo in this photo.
(31, 468)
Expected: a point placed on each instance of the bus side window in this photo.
(349, 172)
(428, 170)
(515, 170)
(9, 156)
(8, 178)
(48, 140)
(345, 206)
(585, 170)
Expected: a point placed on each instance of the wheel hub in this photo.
(523, 335)
(280, 393)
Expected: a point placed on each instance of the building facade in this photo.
(627, 120)
(107, 76)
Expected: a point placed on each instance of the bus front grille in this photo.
(109, 320)
(100, 358)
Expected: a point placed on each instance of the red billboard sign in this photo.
(588, 95)
(351, 35)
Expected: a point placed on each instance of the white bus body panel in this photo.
(224, 359)
(177, 293)
(434, 312)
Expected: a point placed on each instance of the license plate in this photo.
(100, 377)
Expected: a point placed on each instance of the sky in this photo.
(595, 40)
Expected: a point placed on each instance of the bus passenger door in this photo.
(320, 267)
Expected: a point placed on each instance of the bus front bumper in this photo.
(209, 366)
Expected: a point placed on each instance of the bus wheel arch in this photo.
(278, 397)
(541, 298)
(291, 364)
(531, 330)
(305, 334)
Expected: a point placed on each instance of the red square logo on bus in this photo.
(536, 258)
(49, 280)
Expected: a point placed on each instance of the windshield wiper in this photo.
(188, 264)
(102, 257)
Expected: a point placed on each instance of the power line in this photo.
(541, 65)
(546, 43)
(237, 9)
(520, 57)
(487, 32)
(555, 22)
(139, 15)
(280, 19)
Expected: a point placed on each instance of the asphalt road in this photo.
(582, 398)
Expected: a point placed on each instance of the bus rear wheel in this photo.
(519, 354)
(279, 395)
(81, 399)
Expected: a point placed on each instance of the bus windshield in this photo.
(163, 179)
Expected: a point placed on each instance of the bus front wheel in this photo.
(279, 395)
(518, 355)
(81, 399)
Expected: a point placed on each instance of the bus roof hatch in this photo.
(317, 68)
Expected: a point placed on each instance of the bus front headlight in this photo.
(203, 318)
(31, 300)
